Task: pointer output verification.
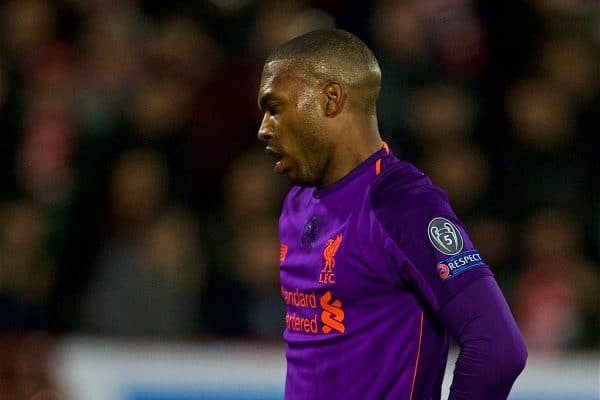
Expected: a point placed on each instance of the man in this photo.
(376, 270)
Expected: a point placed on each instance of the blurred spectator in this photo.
(438, 116)
(26, 269)
(557, 294)
(138, 189)
(279, 21)
(252, 191)
(540, 114)
(149, 273)
(27, 26)
(398, 30)
(400, 42)
(456, 35)
(462, 171)
(542, 124)
(494, 239)
(571, 63)
(24, 368)
(257, 276)
(48, 133)
(109, 55)
(249, 288)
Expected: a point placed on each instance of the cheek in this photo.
(307, 139)
(308, 107)
(302, 133)
(310, 122)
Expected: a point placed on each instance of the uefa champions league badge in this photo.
(445, 236)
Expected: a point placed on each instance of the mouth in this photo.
(279, 166)
(276, 155)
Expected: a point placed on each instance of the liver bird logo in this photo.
(283, 249)
(331, 248)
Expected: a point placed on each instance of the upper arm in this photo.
(480, 311)
(492, 350)
(435, 254)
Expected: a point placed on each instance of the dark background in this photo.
(136, 202)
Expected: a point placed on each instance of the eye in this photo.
(274, 109)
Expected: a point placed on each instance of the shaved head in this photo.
(333, 55)
(317, 95)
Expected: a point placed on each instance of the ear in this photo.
(335, 96)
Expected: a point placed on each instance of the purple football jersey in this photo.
(365, 265)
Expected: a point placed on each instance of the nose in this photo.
(265, 132)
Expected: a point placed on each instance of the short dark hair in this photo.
(323, 42)
(334, 54)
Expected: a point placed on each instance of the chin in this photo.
(302, 181)
(296, 180)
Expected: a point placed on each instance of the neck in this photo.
(356, 141)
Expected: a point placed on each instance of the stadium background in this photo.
(137, 207)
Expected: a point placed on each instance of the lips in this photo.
(273, 153)
(279, 166)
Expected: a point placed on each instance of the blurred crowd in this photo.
(136, 202)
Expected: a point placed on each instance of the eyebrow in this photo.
(264, 99)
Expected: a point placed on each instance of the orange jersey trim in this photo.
(378, 162)
(386, 148)
(412, 388)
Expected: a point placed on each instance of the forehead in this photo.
(279, 68)
(279, 76)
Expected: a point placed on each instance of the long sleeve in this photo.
(492, 351)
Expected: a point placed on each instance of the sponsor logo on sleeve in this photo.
(445, 236)
(443, 269)
(459, 263)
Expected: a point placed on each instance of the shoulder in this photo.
(297, 198)
(403, 188)
(295, 193)
(405, 201)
